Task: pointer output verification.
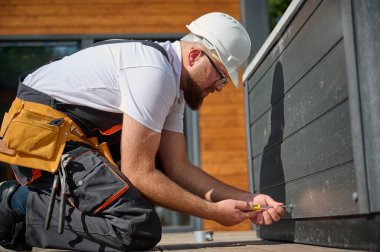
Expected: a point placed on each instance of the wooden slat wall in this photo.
(223, 148)
(105, 17)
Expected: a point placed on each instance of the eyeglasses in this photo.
(222, 80)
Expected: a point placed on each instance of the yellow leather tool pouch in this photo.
(33, 139)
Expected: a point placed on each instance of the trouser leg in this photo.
(126, 225)
(129, 223)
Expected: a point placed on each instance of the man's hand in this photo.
(266, 216)
(231, 212)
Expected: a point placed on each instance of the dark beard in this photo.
(193, 94)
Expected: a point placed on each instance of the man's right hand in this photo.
(231, 212)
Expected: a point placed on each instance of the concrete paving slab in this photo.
(235, 241)
(239, 241)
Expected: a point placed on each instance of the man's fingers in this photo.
(247, 215)
(259, 220)
(267, 218)
(243, 206)
(280, 210)
(272, 202)
(274, 214)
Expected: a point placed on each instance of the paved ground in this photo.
(234, 241)
(225, 242)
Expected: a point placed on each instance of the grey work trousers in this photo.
(130, 223)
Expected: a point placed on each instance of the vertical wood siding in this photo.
(222, 133)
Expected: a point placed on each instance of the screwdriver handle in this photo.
(258, 207)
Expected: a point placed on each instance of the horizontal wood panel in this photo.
(105, 17)
(80, 30)
(321, 32)
(223, 144)
(225, 168)
(321, 145)
(317, 92)
(222, 121)
(228, 95)
(240, 181)
(91, 20)
(222, 133)
(227, 156)
(327, 193)
(63, 2)
(222, 109)
(109, 8)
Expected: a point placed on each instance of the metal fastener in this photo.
(355, 196)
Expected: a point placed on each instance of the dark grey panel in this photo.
(294, 27)
(314, 125)
(317, 92)
(321, 32)
(320, 145)
(367, 30)
(355, 110)
(353, 232)
(326, 193)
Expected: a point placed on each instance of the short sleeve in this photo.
(147, 95)
(174, 121)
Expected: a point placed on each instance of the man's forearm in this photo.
(202, 184)
(163, 191)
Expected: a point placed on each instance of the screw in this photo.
(355, 196)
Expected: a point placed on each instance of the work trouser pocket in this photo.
(93, 183)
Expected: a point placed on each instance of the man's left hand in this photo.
(267, 216)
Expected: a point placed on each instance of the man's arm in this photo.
(138, 150)
(173, 156)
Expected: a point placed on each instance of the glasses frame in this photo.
(222, 81)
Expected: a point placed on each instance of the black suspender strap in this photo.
(144, 42)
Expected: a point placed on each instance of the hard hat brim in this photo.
(234, 75)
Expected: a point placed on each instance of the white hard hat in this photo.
(227, 37)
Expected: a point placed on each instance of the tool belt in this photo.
(34, 135)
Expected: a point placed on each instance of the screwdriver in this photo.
(258, 207)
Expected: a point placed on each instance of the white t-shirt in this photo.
(128, 78)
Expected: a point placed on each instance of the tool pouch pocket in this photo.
(33, 140)
(93, 183)
(30, 133)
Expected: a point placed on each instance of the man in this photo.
(138, 89)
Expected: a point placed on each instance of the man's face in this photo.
(200, 81)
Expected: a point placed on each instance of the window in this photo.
(18, 57)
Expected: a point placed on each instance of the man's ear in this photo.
(193, 55)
